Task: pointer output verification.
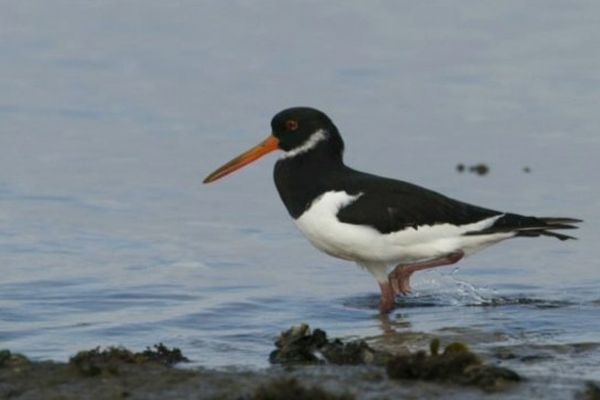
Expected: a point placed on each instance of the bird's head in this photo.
(296, 131)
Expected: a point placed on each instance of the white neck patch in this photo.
(312, 141)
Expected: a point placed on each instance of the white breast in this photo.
(366, 245)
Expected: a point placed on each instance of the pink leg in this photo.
(399, 278)
(387, 298)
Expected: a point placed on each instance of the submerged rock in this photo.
(292, 389)
(457, 364)
(591, 392)
(300, 345)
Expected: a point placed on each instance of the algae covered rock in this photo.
(163, 355)
(300, 345)
(12, 360)
(94, 362)
(457, 364)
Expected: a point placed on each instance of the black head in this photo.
(296, 131)
(295, 126)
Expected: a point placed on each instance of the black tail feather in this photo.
(530, 226)
(558, 221)
(559, 236)
(539, 232)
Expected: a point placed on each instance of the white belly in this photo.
(365, 245)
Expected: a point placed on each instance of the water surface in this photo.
(111, 118)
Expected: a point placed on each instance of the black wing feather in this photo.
(390, 205)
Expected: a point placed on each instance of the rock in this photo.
(457, 364)
(298, 345)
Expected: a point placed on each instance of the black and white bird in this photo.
(390, 227)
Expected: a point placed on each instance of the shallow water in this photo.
(111, 119)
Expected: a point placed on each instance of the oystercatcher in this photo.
(391, 228)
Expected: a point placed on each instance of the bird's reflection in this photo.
(391, 323)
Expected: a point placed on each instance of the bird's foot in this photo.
(399, 279)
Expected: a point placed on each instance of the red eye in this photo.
(291, 125)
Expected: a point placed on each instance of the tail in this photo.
(531, 226)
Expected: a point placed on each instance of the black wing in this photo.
(390, 205)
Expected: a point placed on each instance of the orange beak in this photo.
(266, 146)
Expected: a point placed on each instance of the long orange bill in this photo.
(266, 146)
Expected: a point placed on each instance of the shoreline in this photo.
(307, 365)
